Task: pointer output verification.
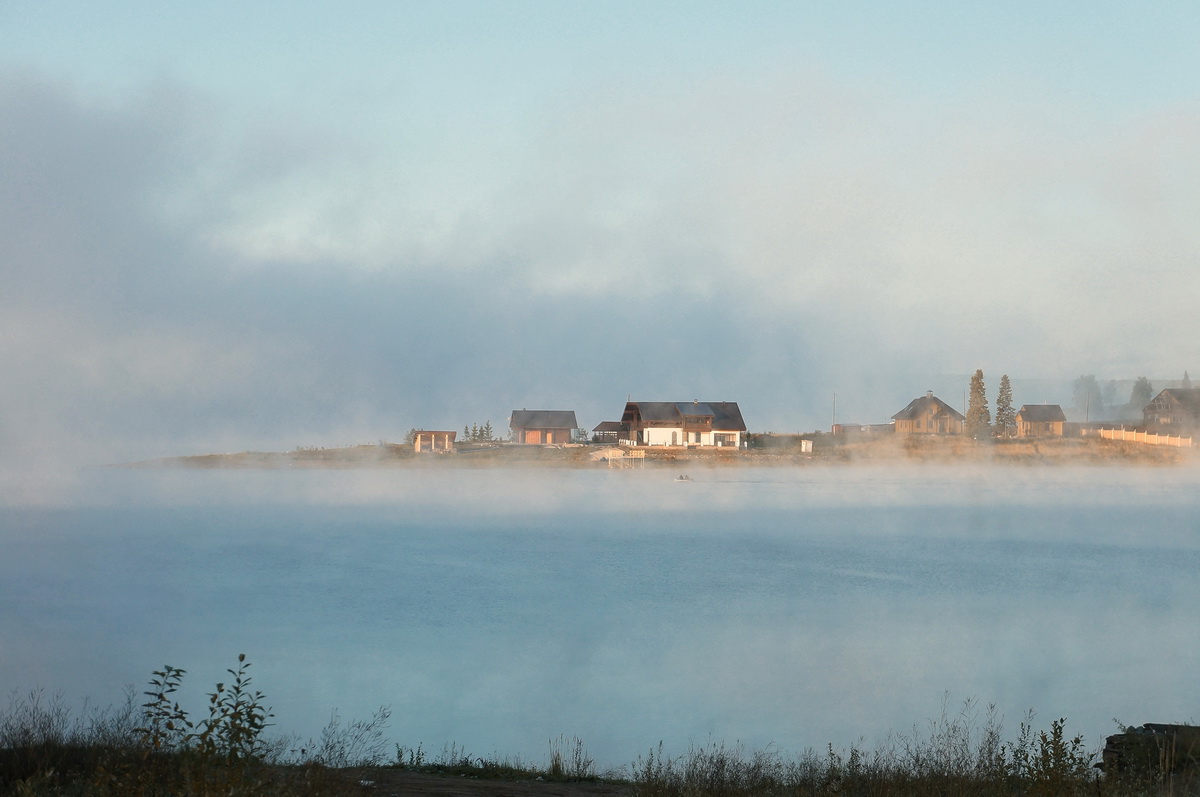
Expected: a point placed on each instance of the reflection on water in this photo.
(500, 610)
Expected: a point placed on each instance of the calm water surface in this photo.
(500, 610)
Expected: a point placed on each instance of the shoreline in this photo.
(891, 450)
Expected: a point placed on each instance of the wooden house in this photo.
(611, 432)
(1174, 410)
(929, 415)
(542, 427)
(684, 423)
(1041, 420)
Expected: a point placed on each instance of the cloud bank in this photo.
(177, 279)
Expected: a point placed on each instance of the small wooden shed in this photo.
(1040, 420)
(542, 427)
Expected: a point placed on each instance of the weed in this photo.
(354, 744)
(569, 760)
(415, 758)
(155, 749)
(166, 726)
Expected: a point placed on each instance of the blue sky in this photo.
(240, 225)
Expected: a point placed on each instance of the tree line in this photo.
(1090, 400)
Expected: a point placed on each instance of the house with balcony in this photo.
(682, 423)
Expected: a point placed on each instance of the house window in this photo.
(697, 438)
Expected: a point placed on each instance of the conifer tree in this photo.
(1006, 416)
(979, 419)
(486, 433)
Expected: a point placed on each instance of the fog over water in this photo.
(248, 227)
(500, 609)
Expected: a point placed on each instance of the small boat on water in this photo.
(683, 477)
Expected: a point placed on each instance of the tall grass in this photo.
(954, 754)
(156, 748)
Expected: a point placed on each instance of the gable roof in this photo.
(1041, 413)
(1186, 398)
(927, 404)
(726, 415)
(543, 419)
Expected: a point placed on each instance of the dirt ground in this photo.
(389, 782)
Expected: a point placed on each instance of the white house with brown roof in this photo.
(683, 423)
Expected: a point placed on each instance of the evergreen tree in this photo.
(466, 433)
(486, 433)
(1006, 416)
(1187, 383)
(979, 419)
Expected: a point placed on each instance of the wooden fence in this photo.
(1149, 438)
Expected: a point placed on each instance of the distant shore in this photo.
(827, 450)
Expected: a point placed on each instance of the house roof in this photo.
(543, 419)
(1042, 413)
(609, 426)
(1186, 398)
(927, 404)
(726, 415)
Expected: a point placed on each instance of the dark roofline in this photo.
(918, 405)
(543, 419)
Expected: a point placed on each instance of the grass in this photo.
(155, 748)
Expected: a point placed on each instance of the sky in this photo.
(262, 225)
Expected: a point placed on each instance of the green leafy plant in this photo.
(166, 726)
(236, 719)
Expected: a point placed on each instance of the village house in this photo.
(678, 423)
(929, 415)
(611, 432)
(855, 431)
(1174, 410)
(1041, 420)
(542, 427)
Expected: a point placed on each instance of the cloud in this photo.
(180, 279)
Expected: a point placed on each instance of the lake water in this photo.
(501, 609)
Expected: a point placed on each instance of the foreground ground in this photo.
(385, 782)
